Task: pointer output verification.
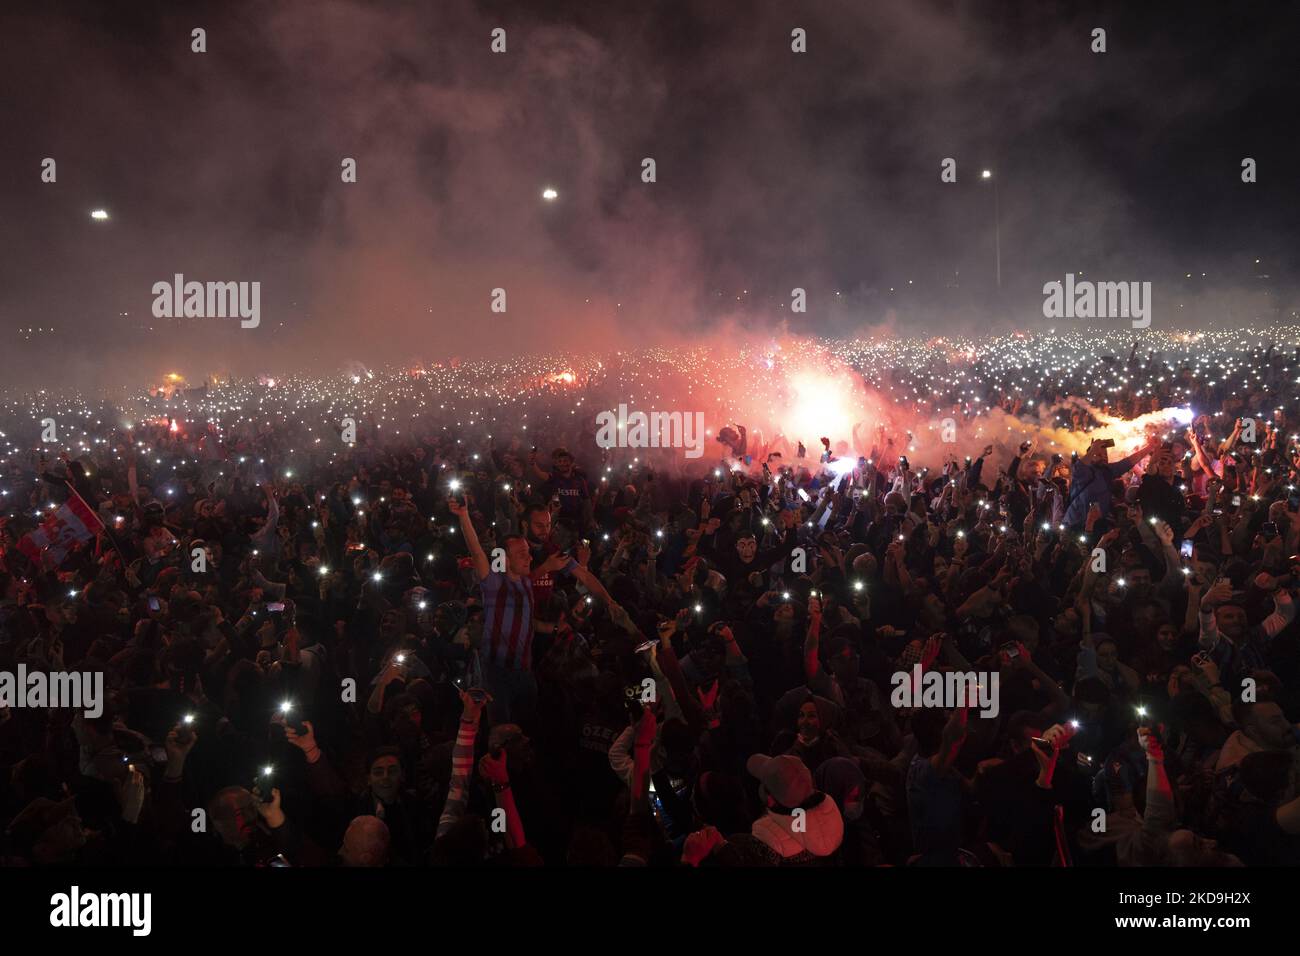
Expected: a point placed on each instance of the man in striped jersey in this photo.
(509, 621)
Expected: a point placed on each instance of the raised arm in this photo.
(1126, 464)
(1199, 455)
(493, 770)
(1221, 592)
(954, 735)
(811, 644)
(481, 565)
(588, 579)
(536, 468)
(462, 762)
(1161, 813)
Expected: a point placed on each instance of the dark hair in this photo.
(927, 726)
(719, 798)
(1188, 708)
(847, 632)
(1021, 721)
(1092, 690)
(676, 738)
(1266, 773)
(388, 750)
(402, 563)
(1242, 710)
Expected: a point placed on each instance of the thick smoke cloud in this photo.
(775, 171)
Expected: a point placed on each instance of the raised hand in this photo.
(930, 653)
(271, 811)
(472, 708)
(553, 563)
(179, 742)
(1207, 667)
(130, 795)
(644, 736)
(1220, 593)
(1046, 755)
(493, 768)
(305, 741)
(700, 844)
(1151, 744)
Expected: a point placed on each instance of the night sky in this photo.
(774, 170)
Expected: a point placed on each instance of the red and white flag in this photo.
(60, 530)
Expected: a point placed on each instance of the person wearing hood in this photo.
(813, 740)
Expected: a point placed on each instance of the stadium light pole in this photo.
(997, 226)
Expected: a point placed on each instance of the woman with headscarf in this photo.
(812, 740)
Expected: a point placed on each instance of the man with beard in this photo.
(1091, 478)
(1262, 823)
(253, 832)
(568, 484)
(1151, 838)
(547, 562)
(546, 557)
(1235, 646)
(1263, 726)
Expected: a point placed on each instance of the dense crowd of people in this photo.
(461, 644)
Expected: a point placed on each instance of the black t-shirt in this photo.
(1159, 500)
(598, 784)
(572, 491)
(1020, 813)
(154, 711)
(1250, 831)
